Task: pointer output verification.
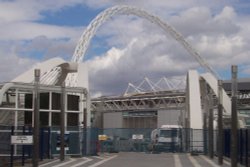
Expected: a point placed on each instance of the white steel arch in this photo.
(90, 31)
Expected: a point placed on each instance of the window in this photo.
(72, 119)
(56, 119)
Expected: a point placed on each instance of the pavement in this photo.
(133, 159)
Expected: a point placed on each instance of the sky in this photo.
(126, 48)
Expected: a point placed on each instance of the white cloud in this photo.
(217, 36)
(11, 65)
(106, 61)
(29, 30)
(137, 47)
(30, 10)
(227, 13)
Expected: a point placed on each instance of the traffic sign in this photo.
(22, 140)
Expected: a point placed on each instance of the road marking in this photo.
(65, 163)
(209, 161)
(98, 157)
(226, 162)
(193, 161)
(48, 163)
(177, 161)
(81, 163)
(103, 161)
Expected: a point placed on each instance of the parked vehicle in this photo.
(167, 138)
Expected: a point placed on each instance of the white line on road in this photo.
(177, 161)
(103, 161)
(84, 162)
(98, 157)
(209, 161)
(227, 162)
(65, 163)
(193, 161)
(48, 163)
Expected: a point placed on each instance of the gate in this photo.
(136, 140)
(18, 154)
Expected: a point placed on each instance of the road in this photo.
(133, 159)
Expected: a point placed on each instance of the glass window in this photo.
(72, 119)
(56, 101)
(28, 118)
(44, 118)
(56, 119)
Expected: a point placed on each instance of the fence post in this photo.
(85, 131)
(220, 140)
(205, 132)
(62, 122)
(23, 149)
(247, 147)
(211, 125)
(234, 119)
(49, 143)
(41, 143)
(12, 148)
(36, 119)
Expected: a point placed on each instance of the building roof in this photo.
(243, 84)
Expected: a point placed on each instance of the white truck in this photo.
(167, 138)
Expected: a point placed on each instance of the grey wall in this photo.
(168, 117)
(112, 120)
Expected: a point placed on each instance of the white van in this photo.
(167, 138)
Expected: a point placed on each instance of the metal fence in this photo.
(139, 140)
(11, 154)
(243, 145)
(81, 141)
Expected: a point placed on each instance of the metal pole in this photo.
(211, 126)
(205, 120)
(12, 149)
(205, 132)
(36, 119)
(85, 130)
(62, 123)
(234, 119)
(220, 142)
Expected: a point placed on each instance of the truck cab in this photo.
(167, 138)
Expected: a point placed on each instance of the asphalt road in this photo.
(133, 159)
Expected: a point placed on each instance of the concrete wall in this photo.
(168, 117)
(112, 120)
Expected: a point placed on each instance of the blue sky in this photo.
(78, 15)
(125, 48)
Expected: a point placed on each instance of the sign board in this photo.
(137, 136)
(102, 137)
(22, 140)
